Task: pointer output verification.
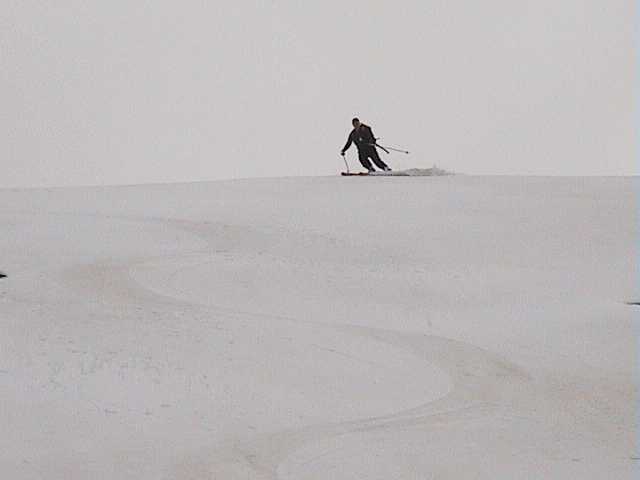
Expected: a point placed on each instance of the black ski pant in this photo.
(370, 152)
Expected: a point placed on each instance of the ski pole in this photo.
(393, 149)
(345, 162)
(386, 149)
(379, 146)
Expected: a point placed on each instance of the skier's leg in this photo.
(377, 160)
(362, 156)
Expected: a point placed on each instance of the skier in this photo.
(362, 136)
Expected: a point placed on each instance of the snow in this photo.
(307, 328)
(414, 172)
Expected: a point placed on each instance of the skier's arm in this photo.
(375, 141)
(373, 137)
(348, 144)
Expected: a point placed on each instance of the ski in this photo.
(375, 174)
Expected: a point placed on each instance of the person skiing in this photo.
(362, 136)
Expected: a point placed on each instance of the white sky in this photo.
(156, 91)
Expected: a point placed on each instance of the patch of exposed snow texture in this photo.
(311, 328)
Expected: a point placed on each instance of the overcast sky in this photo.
(158, 91)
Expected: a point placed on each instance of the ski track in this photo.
(483, 383)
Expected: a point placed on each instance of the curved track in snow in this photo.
(261, 331)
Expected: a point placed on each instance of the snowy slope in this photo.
(313, 328)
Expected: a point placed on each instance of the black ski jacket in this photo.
(362, 137)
